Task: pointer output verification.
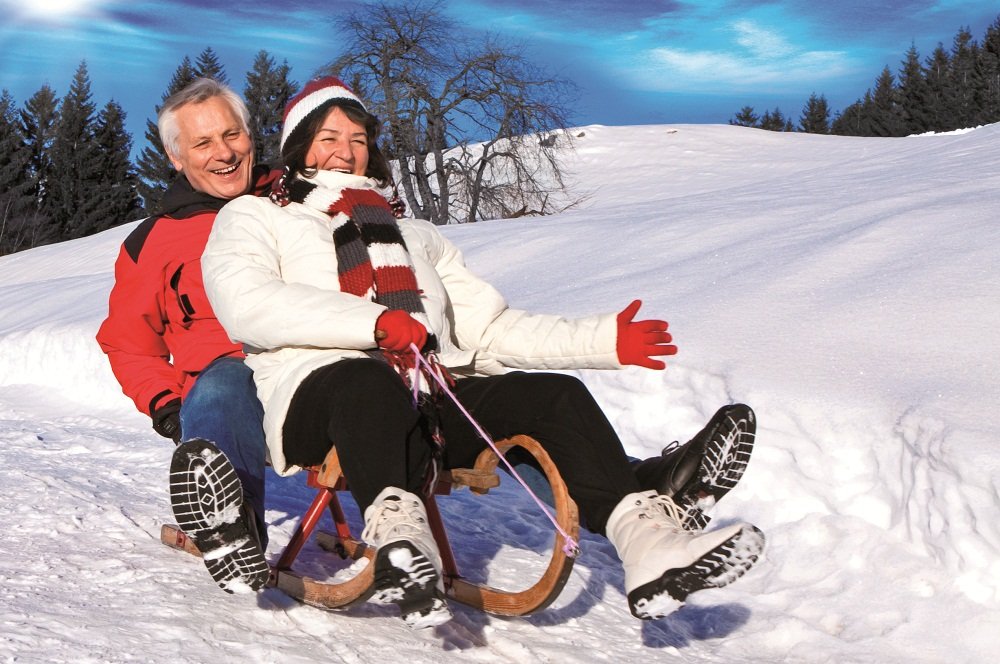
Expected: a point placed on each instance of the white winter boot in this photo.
(407, 560)
(665, 563)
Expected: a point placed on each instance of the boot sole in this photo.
(405, 577)
(716, 569)
(207, 500)
(725, 458)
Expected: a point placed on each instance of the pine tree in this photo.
(745, 118)
(116, 188)
(989, 55)
(815, 116)
(18, 210)
(962, 81)
(15, 159)
(870, 125)
(884, 116)
(850, 122)
(208, 66)
(775, 121)
(936, 75)
(76, 160)
(38, 126)
(155, 170)
(913, 94)
(267, 91)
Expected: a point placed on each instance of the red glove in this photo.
(639, 341)
(395, 330)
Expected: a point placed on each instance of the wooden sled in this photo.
(335, 593)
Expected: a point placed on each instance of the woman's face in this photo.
(341, 144)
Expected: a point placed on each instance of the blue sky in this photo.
(635, 62)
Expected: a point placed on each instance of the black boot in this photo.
(675, 466)
(207, 501)
(700, 472)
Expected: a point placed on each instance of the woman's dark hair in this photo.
(293, 155)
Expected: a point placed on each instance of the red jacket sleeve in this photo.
(132, 335)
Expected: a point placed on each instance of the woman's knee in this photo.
(367, 375)
(357, 388)
(548, 386)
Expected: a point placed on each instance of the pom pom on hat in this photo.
(316, 97)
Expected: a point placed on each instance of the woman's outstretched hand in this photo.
(395, 330)
(639, 341)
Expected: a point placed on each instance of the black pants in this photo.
(363, 408)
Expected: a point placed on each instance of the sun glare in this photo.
(56, 9)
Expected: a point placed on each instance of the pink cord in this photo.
(570, 546)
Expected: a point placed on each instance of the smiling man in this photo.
(166, 348)
(208, 144)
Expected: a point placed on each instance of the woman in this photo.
(328, 291)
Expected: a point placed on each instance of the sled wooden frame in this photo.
(332, 594)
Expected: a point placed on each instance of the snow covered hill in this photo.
(846, 288)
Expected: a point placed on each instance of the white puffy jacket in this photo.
(271, 276)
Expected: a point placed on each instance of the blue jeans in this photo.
(223, 408)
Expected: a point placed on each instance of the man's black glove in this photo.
(167, 420)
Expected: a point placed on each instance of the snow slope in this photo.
(847, 288)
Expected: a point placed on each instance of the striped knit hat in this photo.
(316, 97)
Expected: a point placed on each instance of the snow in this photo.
(846, 288)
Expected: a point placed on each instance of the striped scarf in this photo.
(372, 258)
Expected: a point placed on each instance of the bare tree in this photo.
(23, 230)
(476, 129)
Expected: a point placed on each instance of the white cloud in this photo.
(753, 56)
(677, 70)
(710, 64)
(761, 42)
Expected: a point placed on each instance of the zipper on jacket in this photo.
(182, 298)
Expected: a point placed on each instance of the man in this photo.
(168, 351)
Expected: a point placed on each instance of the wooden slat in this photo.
(175, 538)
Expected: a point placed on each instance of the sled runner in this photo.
(337, 592)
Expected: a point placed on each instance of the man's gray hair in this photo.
(196, 92)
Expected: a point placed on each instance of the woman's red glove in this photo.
(639, 341)
(395, 330)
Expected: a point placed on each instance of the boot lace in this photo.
(395, 519)
(664, 510)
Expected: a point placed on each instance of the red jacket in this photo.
(161, 331)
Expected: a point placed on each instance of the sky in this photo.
(634, 61)
(845, 288)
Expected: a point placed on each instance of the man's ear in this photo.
(173, 160)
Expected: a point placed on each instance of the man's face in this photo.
(213, 151)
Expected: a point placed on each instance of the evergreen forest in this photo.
(65, 165)
(66, 169)
(949, 89)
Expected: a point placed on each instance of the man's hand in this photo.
(639, 341)
(167, 420)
